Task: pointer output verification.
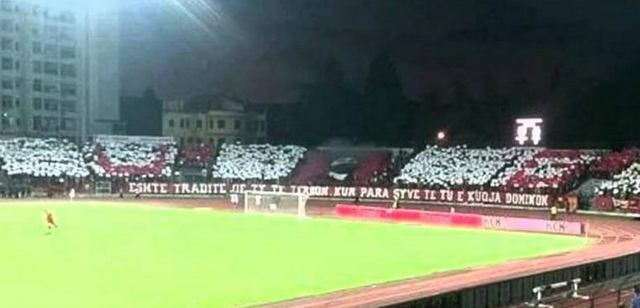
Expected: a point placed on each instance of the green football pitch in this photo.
(124, 255)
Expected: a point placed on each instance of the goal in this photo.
(275, 202)
(103, 188)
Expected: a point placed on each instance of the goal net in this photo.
(275, 202)
(103, 188)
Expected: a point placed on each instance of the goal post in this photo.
(275, 202)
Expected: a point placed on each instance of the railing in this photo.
(618, 274)
(613, 293)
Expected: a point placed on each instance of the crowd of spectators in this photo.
(509, 169)
(315, 164)
(624, 185)
(549, 171)
(373, 165)
(196, 155)
(125, 158)
(501, 179)
(614, 162)
(455, 167)
(256, 161)
(41, 158)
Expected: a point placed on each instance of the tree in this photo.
(385, 108)
(325, 107)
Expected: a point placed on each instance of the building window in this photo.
(68, 106)
(237, 124)
(37, 85)
(37, 48)
(37, 123)
(7, 6)
(37, 103)
(50, 30)
(50, 105)
(50, 68)
(222, 124)
(68, 124)
(7, 44)
(7, 102)
(7, 84)
(50, 88)
(50, 124)
(189, 140)
(187, 124)
(68, 70)
(181, 123)
(67, 52)
(37, 67)
(171, 123)
(199, 140)
(66, 34)
(262, 126)
(7, 64)
(210, 124)
(50, 51)
(6, 25)
(211, 141)
(68, 89)
(181, 140)
(198, 123)
(5, 123)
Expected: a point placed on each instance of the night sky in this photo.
(265, 50)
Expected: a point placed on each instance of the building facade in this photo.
(59, 71)
(225, 120)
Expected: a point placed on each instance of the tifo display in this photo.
(523, 177)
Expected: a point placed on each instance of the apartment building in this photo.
(59, 71)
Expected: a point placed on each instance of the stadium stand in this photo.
(501, 179)
(614, 162)
(41, 158)
(341, 166)
(549, 170)
(196, 155)
(256, 161)
(315, 164)
(615, 182)
(624, 185)
(456, 167)
(123, 156)
(373, 165)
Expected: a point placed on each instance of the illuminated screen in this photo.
(529, 131)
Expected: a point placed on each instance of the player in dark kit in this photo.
(49, 221)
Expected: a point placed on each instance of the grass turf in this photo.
(131, 256)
